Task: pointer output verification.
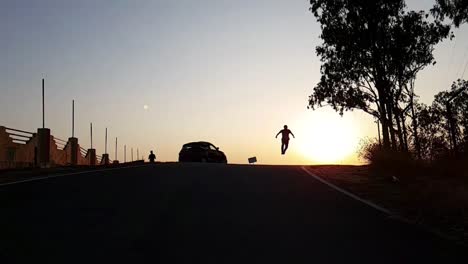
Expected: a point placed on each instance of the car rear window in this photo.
(195, 145)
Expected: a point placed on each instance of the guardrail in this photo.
(83, 152)
(19, 136)
(61, 144)
(22, 149)
(21, 131)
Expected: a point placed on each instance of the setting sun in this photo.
(328, 138)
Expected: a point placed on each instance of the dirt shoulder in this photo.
(438, 202)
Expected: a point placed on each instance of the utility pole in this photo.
(73, 141)
(43, 104)
(42, 149)
(91, 151)
(132, 154)
(125, 153)
(115, 148)
(91, 128)
(105, 147)
(138, 154)
(73, 118)
(105, 156)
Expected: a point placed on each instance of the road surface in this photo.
(199, 213)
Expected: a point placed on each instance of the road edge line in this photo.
(67, 174)
(391, 215)
(351, 195)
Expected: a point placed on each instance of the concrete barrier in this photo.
(43, 147)
(59, 156)
(42, 150)
(105, 159)
(91, 157)
(13, 155)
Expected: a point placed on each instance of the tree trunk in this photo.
(399, 133)
(415, 130)
(452, 129)
(390, 124)
(405, 132)
(378, 131)
(383, 121)
(382, 90)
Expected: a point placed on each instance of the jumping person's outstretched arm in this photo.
(290, 132)
(278, 134)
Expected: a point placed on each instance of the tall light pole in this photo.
(115, 148)
(91, 130)
(91, 151)
(105, 156)
(105, 147)
(42, 149)
(73, 118)
(43, 104)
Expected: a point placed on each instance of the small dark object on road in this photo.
(152, 157)
(201, 152)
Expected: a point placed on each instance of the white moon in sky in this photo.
(145, 107)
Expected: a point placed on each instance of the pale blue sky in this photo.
(231, 72)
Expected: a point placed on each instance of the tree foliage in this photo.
(456, 10)
(433, 123)
(432, 133)
(371, 51)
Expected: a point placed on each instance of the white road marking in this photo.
(353, 196)
(390, 214)
(67, 174)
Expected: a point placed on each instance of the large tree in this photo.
(370, 51)
(436, 123)
(432, 135)
(456, 10)
(453, 106)
(414, 39)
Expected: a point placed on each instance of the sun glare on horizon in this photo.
(328, 139)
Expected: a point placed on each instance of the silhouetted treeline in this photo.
(442, 127)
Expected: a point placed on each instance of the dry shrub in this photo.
(388, 163)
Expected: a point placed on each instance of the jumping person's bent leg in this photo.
(286, 144)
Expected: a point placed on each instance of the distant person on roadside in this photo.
(284, 138)
(152, 157)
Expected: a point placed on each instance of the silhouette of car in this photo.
(201, 152)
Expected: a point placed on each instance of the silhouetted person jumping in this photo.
(152, 157)
(284, 138)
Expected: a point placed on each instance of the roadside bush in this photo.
(403, 165)
(388, 163)
(369, 149)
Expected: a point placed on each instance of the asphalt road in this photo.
(198, 213)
